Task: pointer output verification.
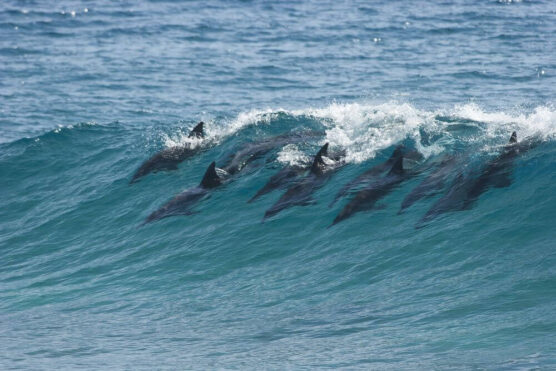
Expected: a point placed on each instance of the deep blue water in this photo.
(88, 91)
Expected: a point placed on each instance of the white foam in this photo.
(540, 122)
(179, 139)
(243, 119)
(291, 155)
(216, 131)
(365, 128)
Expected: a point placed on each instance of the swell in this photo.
(74, 259)
(69, 217)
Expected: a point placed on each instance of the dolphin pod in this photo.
(233, 166)
(302, 181)
(463, 192)
(169, 158)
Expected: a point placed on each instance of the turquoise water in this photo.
(89, 92)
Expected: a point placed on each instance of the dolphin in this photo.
(497, 173)
(432, 184)
(300, 193)
(251, 152)
(367, 198)
(169, 158)
(374, 172)
(184, 202)
(453, 200)
(466, 189)
(281, 179)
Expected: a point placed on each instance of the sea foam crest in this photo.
(180, 138)
(364, 129)
(292, 155)
(216, 130)
(243, 119)
(540, 122)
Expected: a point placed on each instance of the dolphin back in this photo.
(513, 138)
(318, 162)
(211, 178)
(397, 168)
(198, 131)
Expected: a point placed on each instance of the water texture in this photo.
(89, 91)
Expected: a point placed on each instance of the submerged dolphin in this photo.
(169, 158)
(184, 202)
(301, 193)
(453, 200)
(367, 198)
(239, 160)
(281, 179)
(432, 184)
(466, 189)
(374, 172)
(497, 173)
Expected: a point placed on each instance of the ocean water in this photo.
(90, 90)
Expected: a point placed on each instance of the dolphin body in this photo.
(367, 198)
(466, 190)
(251, 152)
(184, 202)
(432, 184)
(374, 172)
(169, 158)
(497, 173)
(301, 192)
(453, 200)
(283, 178)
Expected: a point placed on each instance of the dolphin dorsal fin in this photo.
(197, 131)
(397, 152)
(513, 138)
(318, 162)
(210, 179)
(397, 168)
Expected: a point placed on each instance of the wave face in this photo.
(88, 95)
(77, 265)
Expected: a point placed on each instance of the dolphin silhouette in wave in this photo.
(169, 158)
(433, 183)
(184, 202)
(301, 193)
(367, 198)
(247, 154)
(375, 172)
(466, 189)
(281, 179)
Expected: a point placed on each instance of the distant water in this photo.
(88, 91)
